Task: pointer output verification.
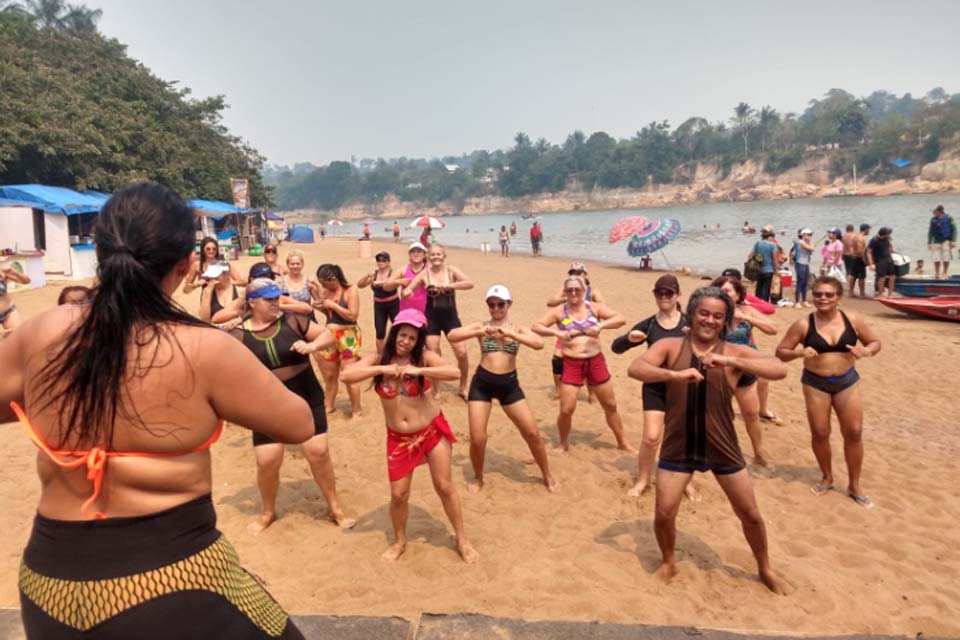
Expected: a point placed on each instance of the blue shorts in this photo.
(689, 466)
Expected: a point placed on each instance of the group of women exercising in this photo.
(125, 394)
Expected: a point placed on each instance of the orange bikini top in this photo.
(96, 458)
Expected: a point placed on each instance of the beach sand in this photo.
(587, 553)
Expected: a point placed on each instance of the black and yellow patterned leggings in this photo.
(166, 575)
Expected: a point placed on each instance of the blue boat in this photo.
(928, 287)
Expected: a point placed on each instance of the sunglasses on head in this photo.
(664, 293)
(825, 294)
(496, 305)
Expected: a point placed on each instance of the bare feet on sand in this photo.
(475, 485)
(552, 485)
(775, 583)
(394, 551)
(331, 411)
(356, 416)
(342, 521)
(467, 552)
(563, 447)
(638, 489)
(666, 571)
(261, 523)
(626, 447)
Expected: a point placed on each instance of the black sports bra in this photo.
(815, 340)
(272, 345)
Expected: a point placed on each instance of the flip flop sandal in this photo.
(863, 501)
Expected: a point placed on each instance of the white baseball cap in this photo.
(416, 245)
(498, 291)
(215, 270)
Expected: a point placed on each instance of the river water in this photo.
(582, 235)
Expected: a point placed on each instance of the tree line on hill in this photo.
(77, 111)
(870, 132)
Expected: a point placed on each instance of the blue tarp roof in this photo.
(900, 163)
(274, 216)
(215, 209)
(54, 199)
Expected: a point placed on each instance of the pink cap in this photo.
(413, 317)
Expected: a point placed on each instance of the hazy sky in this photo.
(310, 80)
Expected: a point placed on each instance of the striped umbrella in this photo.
(654, 236)
(626, 228)
(428, 221)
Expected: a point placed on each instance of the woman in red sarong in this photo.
(417, 431)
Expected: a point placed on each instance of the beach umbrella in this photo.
(626, 228)
(335, 223)
(654, 236)
(368, 221)
(428, 221)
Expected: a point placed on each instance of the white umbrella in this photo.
(335, 223)
(428, 221)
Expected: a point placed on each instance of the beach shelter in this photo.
(301, 234)
(56, 220)
(248, 223)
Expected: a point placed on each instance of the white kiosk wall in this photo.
(57, 258)
(16, 228)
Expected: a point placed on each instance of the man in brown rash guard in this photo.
(701, 372)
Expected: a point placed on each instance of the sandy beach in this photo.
(588, 552)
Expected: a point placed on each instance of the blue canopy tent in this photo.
(301, 234)
(900, 163)
(274, 216)
(54, 199)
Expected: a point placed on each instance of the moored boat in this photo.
(941, 307)
(928, 287)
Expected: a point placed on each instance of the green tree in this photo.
(744, 120)
(56, 15)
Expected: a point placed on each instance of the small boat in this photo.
(941, 307)
(928, 287)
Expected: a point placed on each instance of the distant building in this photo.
(451, 167)
(415, 185)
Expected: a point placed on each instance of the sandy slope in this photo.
(587, 553)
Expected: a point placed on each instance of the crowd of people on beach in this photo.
(120, 380)
(848, 255)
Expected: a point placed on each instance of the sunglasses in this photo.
(269, 250)
(383, 259)
(824, 294)
(497, 305)
(664, 293)
(573, 290)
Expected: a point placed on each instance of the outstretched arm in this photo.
(634, 338)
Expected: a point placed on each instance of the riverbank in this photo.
(705, 184)
(588, 552)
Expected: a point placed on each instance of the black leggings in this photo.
(164, 575)
(383, 311)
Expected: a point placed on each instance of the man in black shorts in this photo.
(880, 258)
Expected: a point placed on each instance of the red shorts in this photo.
(407, 451)
(593, 371)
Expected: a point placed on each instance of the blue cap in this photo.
(270, 292)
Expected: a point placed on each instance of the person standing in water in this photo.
(417, 430)
(496, 378)
(283, 343)
(504, 242)
(124, 398)
(827, 340)
(578, 324)
(668, 322)
(701, 372)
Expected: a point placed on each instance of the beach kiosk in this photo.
(53, 225)
(227, 222)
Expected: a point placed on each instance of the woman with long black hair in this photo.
(417, 431)
(131, 389)
(209, 254)
(339, 302)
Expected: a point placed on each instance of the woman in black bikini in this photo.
(827, 341)
(217, 297)
(669, 322)
(386, 300)
(496, 377)
(209, 253)
(339, 302)
(442, 283)
(417, 431)
(283, 343)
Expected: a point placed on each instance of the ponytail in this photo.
(141, 234)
